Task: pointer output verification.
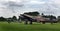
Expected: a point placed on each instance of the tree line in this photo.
(14, 18)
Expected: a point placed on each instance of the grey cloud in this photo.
(25, 6)
(13, 5)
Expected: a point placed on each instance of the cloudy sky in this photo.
(8, 8)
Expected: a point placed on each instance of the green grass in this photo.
(4, 26)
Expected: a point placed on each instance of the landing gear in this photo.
(26, 22)
(30, 22)
(43, 22)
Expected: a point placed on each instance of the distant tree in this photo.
(32, 13)
(42, 14)
(59, 18)
(14, 18)
(50, 16)
(9, 20)
(2, 19)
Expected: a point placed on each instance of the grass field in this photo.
(4, 26)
